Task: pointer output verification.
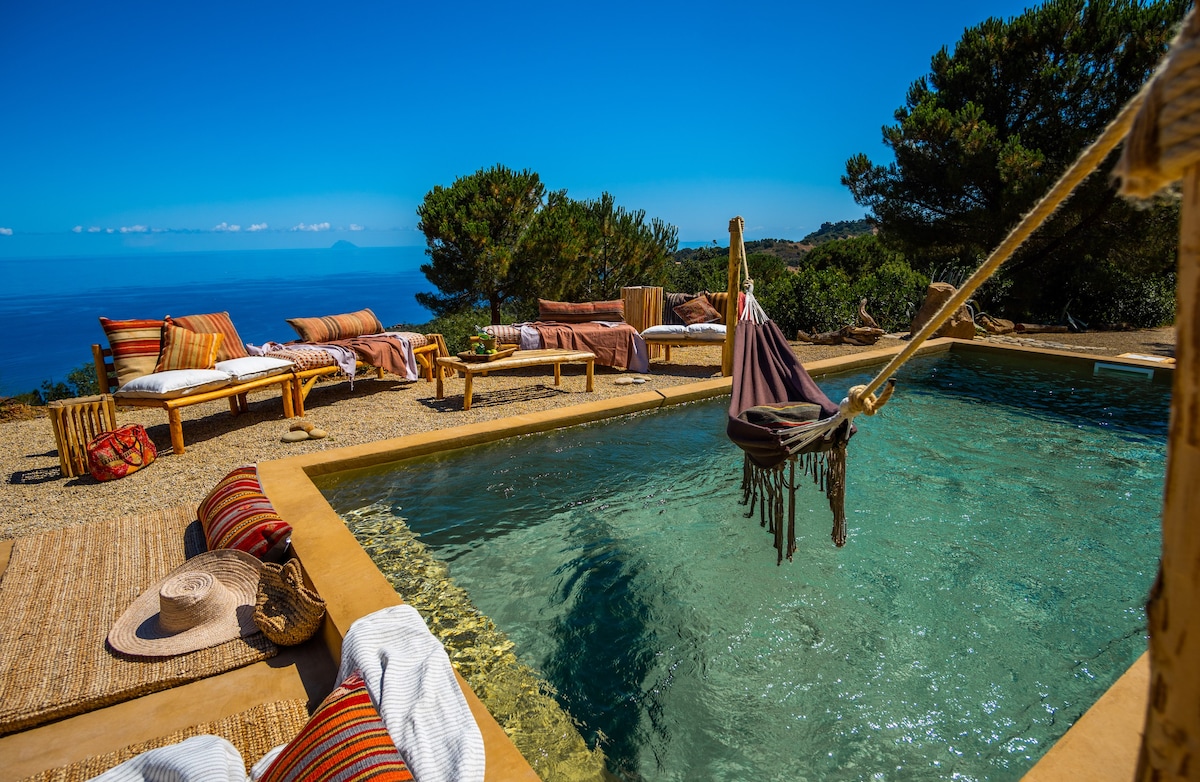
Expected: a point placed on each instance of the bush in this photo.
(81, 381)
(826, 299)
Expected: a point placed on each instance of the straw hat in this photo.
(206, 601)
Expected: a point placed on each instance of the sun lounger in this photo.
(133, 381)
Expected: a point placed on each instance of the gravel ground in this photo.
(37, 497)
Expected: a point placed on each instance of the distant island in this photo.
(342, 244)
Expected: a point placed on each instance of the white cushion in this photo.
(174, 383)
(701, 332)
(664, 331)
(252, 367)
(707, 330)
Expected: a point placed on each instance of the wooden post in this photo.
(1171, 740)
(736, 250)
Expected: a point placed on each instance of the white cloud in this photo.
(5, 232)
(227, 227)
(257, 227)
(77, 229)
(355, 227)
(313, 227)
(95, 229)
(109, 231)
(134, 229)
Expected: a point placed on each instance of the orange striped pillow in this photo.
(331, 327)
(344, 741)
(184, 349)
(135, 346)
(215, 323)
(236, 514)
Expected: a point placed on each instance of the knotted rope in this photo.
(1165, 137)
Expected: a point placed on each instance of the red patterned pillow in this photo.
(183, 349)
(344, 741)
(236, 514)
(135, 346)
(215, 323)
(566, 312)
(698, 310)
(331, 327)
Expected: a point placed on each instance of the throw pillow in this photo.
(670, 302)
(177, 382)
(698, 310)
(567, 312)
(345, 740)
(183, 349)
(331, 327)
(215, 323)
(135, 346)
(236, 514)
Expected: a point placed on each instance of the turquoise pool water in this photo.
(1003, 535)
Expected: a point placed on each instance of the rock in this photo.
(294, 436)
(996, 325)
(960, 325)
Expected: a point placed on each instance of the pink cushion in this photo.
(566, 312)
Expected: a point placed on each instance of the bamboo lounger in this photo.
(235, 393)
(304, 379)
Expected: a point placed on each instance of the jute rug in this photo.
(60, 595)
(254, 732)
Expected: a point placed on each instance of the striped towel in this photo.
(410, 680)
(198, 759)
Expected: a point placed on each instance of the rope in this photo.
(1165, 138)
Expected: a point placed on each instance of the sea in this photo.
(53, 305)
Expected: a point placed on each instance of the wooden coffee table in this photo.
(522, 358)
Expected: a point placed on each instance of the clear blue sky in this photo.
(165, 125)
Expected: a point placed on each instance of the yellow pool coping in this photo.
(353, 587)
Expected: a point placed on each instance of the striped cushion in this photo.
(566, 312)
(135, 346)
(305, 358)
(345, 740)
(183, 349)
(215, 323)
(415, 340)
(331, 327)
(236, 514)
(505, 335)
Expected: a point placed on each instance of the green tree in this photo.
(620, 248)
(994, 123)
(477, 232)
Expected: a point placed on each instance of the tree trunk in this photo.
(1171, 740)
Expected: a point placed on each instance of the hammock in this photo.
(774, 407)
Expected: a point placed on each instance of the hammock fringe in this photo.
(766, 487)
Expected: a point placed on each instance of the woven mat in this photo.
(254, 732)
(60, 595)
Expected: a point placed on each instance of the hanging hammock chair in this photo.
(779, 416)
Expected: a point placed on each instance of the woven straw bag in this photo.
(287, 612)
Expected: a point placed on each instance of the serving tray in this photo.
(467, 355)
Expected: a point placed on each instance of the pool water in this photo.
(1003, 535)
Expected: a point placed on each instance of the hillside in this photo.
(788, 250)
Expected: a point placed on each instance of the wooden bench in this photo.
(522, 358)
(235, 392)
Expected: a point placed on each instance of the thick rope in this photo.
(1165, 137)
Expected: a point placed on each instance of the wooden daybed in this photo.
(234, 391)
(651, 312)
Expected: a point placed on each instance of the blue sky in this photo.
(203, 126)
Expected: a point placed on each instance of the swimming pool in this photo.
(991, 588)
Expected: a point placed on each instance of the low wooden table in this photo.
(522, 358)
